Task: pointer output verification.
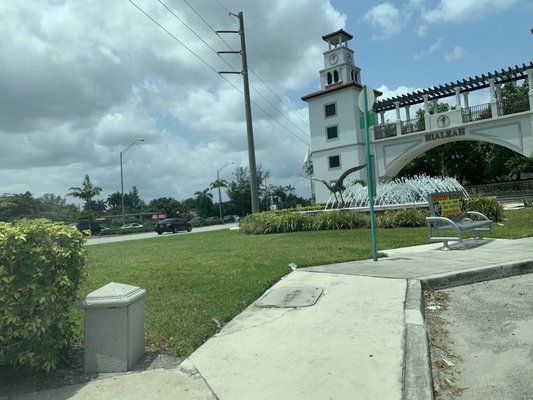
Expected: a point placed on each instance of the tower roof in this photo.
(338, 37)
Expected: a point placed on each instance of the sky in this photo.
(81, 80)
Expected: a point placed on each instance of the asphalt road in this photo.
(148, 235)
(488, 329)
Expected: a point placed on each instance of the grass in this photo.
(195, 281)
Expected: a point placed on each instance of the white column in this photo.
(382, 117)
(435, 106)
(493, 104)
(426, 109)
(465, 98)
(530, 82)
(408, 119)
(398, 119)
(457, 97)
(499, 97)
(466, 113)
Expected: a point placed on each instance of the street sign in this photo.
(371, 120)
(370, 99)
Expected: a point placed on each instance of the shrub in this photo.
(41, 269)
(486, 205)
(407, 217)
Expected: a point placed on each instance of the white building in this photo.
(337, 142)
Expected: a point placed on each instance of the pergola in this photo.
(512, 74)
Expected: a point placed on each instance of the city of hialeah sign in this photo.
(448, 133)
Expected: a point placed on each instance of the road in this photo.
(482, 344)
(150, 235)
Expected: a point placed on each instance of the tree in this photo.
(519, 165)
(86, 192)
(166, 205)
(204, 202)
(114, 202)
(17, 206)
(239, 191)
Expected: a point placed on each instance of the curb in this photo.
(489, 273)
(417, 374)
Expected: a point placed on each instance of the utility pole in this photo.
(248, 110)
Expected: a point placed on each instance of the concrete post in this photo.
(493, 104)
(457, 97)
(435, 106)
(398, 119)
(382, 117)
(426, 113)
(466, 113)
(408, 119)
(499, 97)
(530, 82)
(114, 328)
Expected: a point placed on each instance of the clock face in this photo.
(333, 59)
(348, 57)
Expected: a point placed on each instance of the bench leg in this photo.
(445, 245)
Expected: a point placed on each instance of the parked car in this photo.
(231, 218)
(131, 226)
(172, 225)
(213, 220)
(95, 227)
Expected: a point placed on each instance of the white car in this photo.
(131, 226)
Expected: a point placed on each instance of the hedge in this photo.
(42, 265)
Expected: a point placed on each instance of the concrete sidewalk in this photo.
(353, 330)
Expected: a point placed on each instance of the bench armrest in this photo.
(479, 215)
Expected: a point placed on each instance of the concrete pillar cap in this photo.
(112, 295)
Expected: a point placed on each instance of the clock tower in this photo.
(338, 61)
(337, 142)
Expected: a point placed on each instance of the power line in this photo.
(233, 69)
(183, 44)
(198, 36)
(258, 77)
(213, 69)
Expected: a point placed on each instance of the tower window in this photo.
(334, 162)
(332, 132)
(330, 78)
(335, 76)
(330, 110)
(353, 76)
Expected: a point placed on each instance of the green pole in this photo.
(370, 179)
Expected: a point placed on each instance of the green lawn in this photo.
(193, 279)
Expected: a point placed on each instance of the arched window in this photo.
(335, 76)
(329, 78)
(353, 76)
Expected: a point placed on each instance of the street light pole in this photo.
(218, 183)
(122, 177)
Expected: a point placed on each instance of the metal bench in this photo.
(448, 213)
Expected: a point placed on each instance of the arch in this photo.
(330, 78)
(395, 167)
(335, 76)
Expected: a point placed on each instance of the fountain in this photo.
(398, 193)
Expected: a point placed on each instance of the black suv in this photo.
(172, 225)
(84, 226)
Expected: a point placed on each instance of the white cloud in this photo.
(88, 83)
(457, 53)
(464, 10)
(434, 47)
(385, 18)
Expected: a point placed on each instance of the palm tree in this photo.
(204, 201)
(518, 165)
(86, 192)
